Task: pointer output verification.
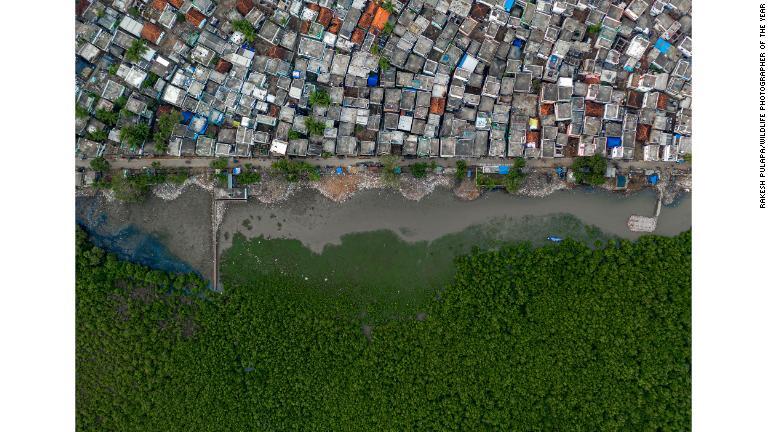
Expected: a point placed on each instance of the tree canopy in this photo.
(136, 50)
(134, 135)
(165, 124)
(246, 28)
(294, 171)
(590, 169)
(562, 337)
(100, 164)
(320, 98)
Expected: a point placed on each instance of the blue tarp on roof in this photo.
(653, 178)
(339, 171)
(518, 43)
(373, 80)
(504, 169)
(621, 181)
(508, 5)
(613, 142)
(463, 59)
(186, 116)
(662, 45)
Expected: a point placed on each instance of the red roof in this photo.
(380, 19)
(305, 26)
(643, 132)
(324, 17)
(532, 137)
(244, 6)
(592, 79)
(634, 99)
(151, 32)
(195, 17)
(176, 3)
(547, 109)
(335, 25)
(437, 105)
(593, 109)
(358, 36)
(662, 102)
(371, 7)
(159, 4)
(223, 66)
(365, 21)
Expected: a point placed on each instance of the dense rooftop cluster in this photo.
(420, 78)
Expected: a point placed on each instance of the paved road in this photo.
(122, 163)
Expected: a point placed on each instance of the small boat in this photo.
(554, 239)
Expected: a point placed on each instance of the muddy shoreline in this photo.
(321, 213)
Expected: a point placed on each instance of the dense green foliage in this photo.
(388, 29)
(314, 127)
(134, 135)
(80, 111)
(100, 164)
(165, 125)
(109, 118)
(246, 28)
(461, 169)
(293, 134)
(516, 175)
(590, 169)
(383, 63)
(136, 50)
(294, 171)
(150, 80)
(388, 6)
(419, 169)
(319, 98)
(248, 177)
(98, 135)
(557, 338)
(220, 163)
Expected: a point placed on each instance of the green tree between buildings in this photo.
(590, 170)
(81, 112)
(319, 98)
(134, 135)
(100, 164)
(388, 6)
(165, 124)
(136, 50)
(383, 64)
(388, 29)
(109, 118)
(314, 127)
(293, 135)
(246, 28)
(98, 136)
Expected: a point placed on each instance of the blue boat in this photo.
(554, 239)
